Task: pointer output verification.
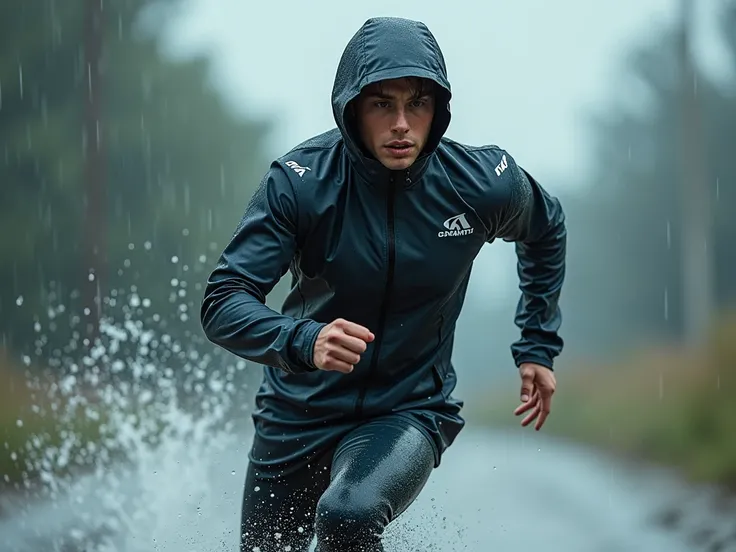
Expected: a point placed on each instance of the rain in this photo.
(133, 136)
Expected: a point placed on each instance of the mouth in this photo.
(399, 148)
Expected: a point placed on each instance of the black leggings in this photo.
(347, 497)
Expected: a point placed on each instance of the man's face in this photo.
(394, 118)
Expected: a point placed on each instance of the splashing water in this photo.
(139, 418)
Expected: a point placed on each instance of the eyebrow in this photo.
(384, 96)
(381, 96)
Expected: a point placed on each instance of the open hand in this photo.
(340, 344)
(538, 384)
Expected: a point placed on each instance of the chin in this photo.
(398, 164)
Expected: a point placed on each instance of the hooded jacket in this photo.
(390, 250)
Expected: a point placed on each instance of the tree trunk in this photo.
(94, 185)
(697, 243)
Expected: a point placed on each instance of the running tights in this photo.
(346, 499)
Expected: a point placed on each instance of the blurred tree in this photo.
(625, 287)
(176, 167)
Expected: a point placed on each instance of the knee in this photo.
(346, 519)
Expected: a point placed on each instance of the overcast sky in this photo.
(523, 72)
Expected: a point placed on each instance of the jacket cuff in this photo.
(303, 345)
(535, 359)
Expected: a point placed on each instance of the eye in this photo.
(381, 104)
(418, 103)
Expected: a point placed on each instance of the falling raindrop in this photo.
(718, 186)
(669, 235)
(666, 304)
(89, 80)
(20, 79)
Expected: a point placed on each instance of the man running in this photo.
(379, 221)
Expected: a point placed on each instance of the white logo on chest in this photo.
(456, 226)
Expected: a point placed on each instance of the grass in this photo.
(30, 428)
(673, 406)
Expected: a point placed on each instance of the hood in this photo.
(389, 48)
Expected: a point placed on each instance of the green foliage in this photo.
(624, 285)
(178, 166)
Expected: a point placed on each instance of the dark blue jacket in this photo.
(392, 251)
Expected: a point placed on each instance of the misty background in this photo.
(133, 133)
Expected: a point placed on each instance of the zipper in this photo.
(390, 223)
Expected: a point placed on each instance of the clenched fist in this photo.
(340, 344)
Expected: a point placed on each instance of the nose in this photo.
(400, 123)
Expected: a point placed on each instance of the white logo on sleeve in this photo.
(502, 166)
(456, 226)
(298, 169)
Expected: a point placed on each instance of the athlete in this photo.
(378, 221)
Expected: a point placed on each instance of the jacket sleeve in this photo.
(535, 222)
(233, 312)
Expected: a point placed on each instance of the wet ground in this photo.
(495, 491)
